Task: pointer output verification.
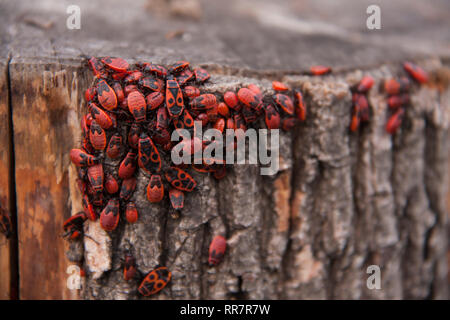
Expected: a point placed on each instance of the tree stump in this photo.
(340, 202)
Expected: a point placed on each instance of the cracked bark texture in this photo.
(339, 203)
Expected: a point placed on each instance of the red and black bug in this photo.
(178, 66)
(116, 64)
(288, 123)
(213, 113)
(162, 119)
(82, 159)
(128, 165)
(217, 250)
(127, 188)
(106, 95)
(249, 98)
(239, 122)
(356, 118)
(174, 98)
(114, 146)
(416, 72)
(109, 218)
(129, 267)
(219, 124)
(154, 100)
(180, 179)
(184, 77)
(319, 70)
(155, 189)
(84, 126)
(73, 227)
(363, 106)
(279, 86)
(161, 137)
(223, 110)
(201, 75)
(176, 198)
(185, 121)
(133, 135)
(300, 107)
(95, 176)
(97, 136)
(204, 101)
(131, 213)
(137, 105)
(118, 90)
(203, 117)
(111, 184)
(365, 84)
(156, 69)
(155, 281)
(88, 208)
(397, 86)
(5, 222)
(191, 92)
(149, 158)
(133, 77)
(284, 102)
(152, 84)
(129, 89)
(97, 67)
(272, 117)
(231, 100)
(102, 118)
(90, 94)
(395, 121)
(249, 115)
(397, 101)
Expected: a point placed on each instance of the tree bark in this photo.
(340, 202)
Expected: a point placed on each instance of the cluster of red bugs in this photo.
(132, 112)
(360, 108)
(398, 97)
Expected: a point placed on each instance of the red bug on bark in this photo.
(116, 64)
(111, 184)
(155, 189)
(84, 126)
(109, 218)
(161, 137)
(95, 176)
(176, 198)
(180, 179)
(272, 117)
(97, 136)
(203, 117)
(155, 281)
(174, 98)
(114, 146)
(213, 113)
(288, 123)
(128, 165)
(279, 86)
(106, 95)
(284, 102)
(191, 92)
(300, 107)
(127, 189)
(149, 158)
(73, 227)
(354, 124)
(97, 67)
(219, 124)
(416, 72)
(129, 267)
(133, 135)
(363, 106)
(365, 84)
(239, 122)
(129, 89)
(201, 75)
(156, 69)
(102, 118)
(162, 119)
(395, 121)
(217, 250)
(249, 98)
(230, 123)
(204, 101)
(154, 100)
(131, 213)
(137, 105)
(88, 208)
(319, 70)
(82, 159)
(223, 110)
(185, 121)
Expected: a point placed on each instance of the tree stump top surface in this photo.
(262, 36)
